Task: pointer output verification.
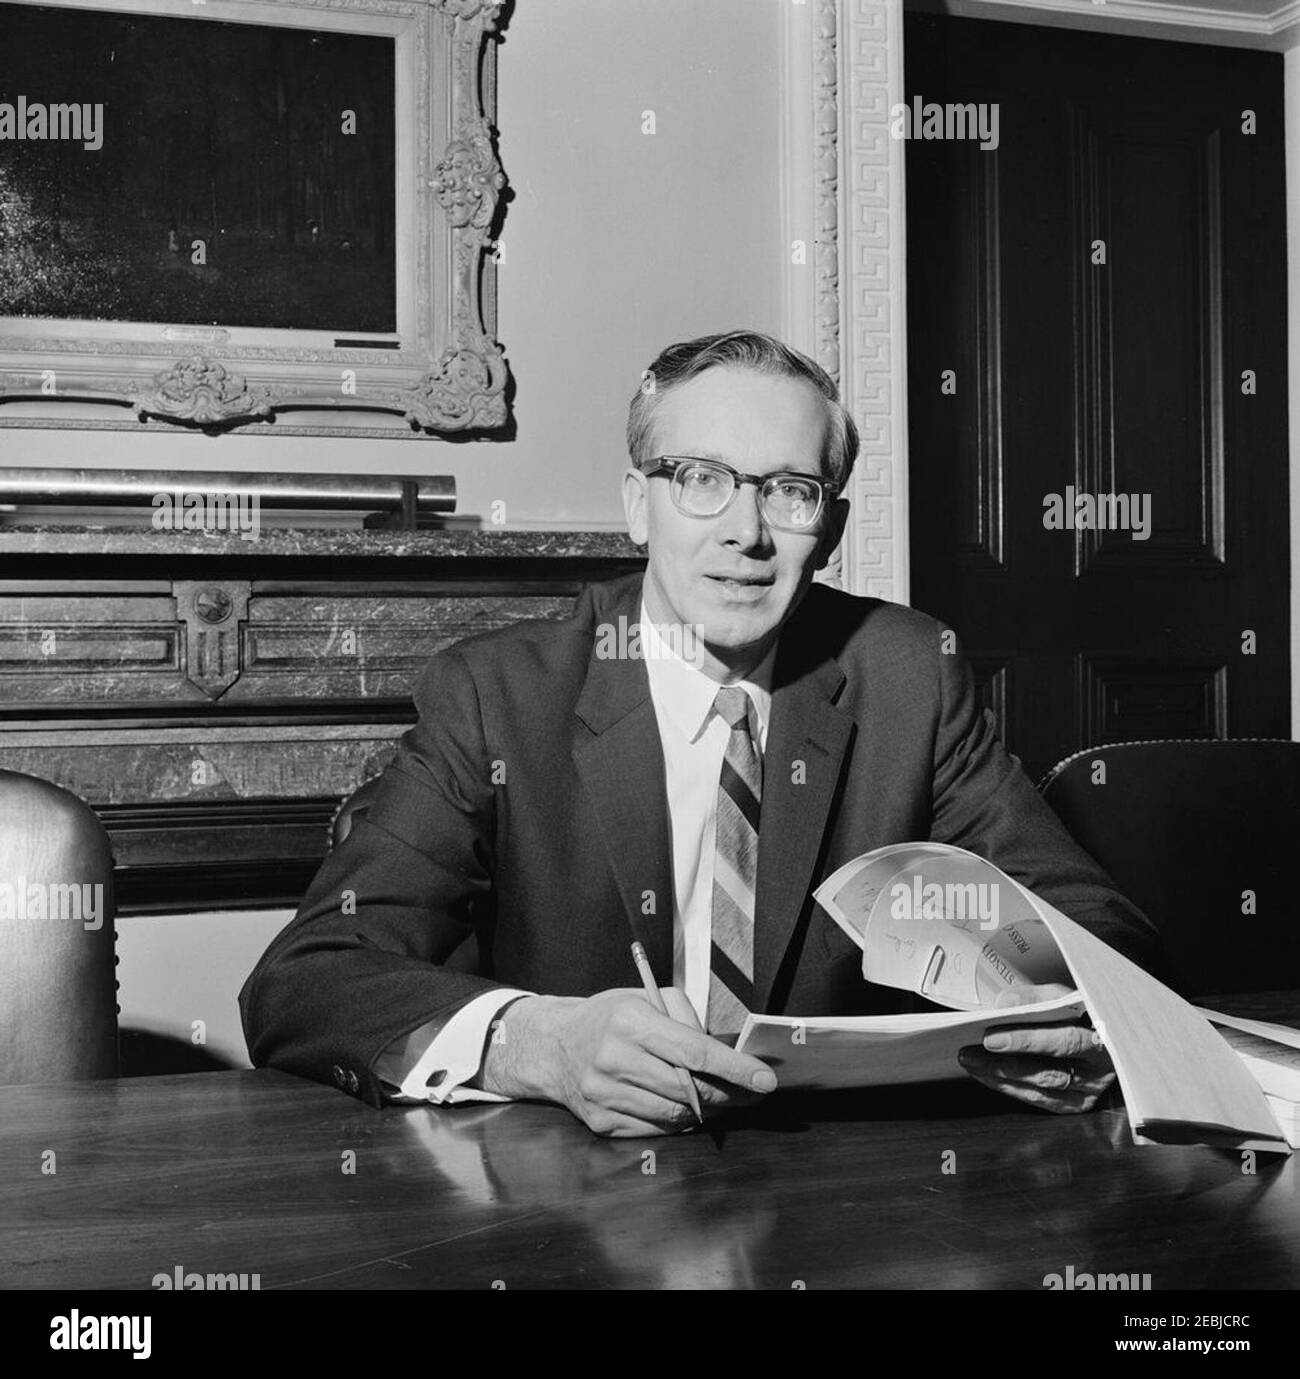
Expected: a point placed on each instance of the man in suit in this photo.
(681, 762)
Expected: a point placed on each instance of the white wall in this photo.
(616, 244)
(176, 969)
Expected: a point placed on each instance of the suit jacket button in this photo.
(354, 1083)
(340, 1077)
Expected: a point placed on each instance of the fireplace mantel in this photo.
(214, 698)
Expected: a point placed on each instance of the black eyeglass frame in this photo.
(669, 465)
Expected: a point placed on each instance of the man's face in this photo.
(731, 575)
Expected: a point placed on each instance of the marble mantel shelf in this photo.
(73, 542)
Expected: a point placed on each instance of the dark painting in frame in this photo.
(251, 215)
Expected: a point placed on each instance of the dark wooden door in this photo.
(1097, 306)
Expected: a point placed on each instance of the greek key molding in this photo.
(874, 342)
(842, 181)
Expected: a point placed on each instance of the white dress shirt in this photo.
(694, 740)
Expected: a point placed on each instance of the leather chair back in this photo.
(58, 1004)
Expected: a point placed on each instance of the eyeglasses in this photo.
(704, 488)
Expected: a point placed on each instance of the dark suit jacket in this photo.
(528, 808)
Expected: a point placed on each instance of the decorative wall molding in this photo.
(873, 342)
(842, 193)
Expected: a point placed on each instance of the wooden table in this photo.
(243, 1173)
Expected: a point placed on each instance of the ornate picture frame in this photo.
(441, 372)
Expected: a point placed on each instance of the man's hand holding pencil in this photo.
(624, 1062)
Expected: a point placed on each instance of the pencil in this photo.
(657, 1000)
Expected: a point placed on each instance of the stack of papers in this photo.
(1271, 1054)
(950, 926)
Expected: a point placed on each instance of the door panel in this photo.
(1118, 374)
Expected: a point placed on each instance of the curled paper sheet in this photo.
(952, 927)
(959, 932)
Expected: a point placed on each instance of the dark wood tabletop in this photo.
(947, 1187)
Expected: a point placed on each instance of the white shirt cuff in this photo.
(449, 1059)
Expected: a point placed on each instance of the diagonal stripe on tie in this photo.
(733, 929)
(740, 793)
(725, 875)
(725, 1014)
(726, 971)
(736, 841)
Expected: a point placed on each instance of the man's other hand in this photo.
(1062, 1068)
(616, 1063)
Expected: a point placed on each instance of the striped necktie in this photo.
(735, 870)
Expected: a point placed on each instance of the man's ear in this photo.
(636, 505)
(837, 513)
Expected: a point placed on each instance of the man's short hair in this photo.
(740, 349)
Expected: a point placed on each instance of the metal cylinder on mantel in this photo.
(137, 488)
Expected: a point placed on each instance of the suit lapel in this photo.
(620, 761)
(807, 739)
